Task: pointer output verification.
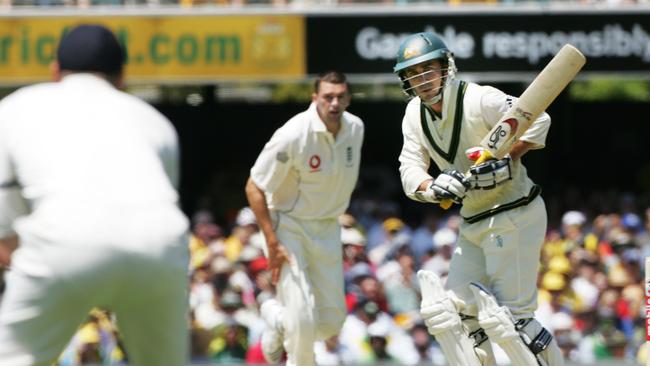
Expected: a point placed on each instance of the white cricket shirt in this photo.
(305, 172)
(468, 114)
(93, 162)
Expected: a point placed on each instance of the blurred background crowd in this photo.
(591, 288)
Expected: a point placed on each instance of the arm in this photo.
(277, 253)
(520, 148)
(12, 203)
(7, 247)
(257, 202)
(424, 185)
(414, 162)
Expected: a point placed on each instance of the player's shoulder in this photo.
(296, 126)
(412, 110)
(133, 104)
(414, 103)
(353, 119)
(485, 96)
(23, 99)
(27, 92)
(483, 91)
(413, 106)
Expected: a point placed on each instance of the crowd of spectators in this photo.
(591, 290)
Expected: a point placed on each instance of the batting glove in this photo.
(450, 184)
(490, 173)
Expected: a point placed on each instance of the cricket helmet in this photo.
(419, 48)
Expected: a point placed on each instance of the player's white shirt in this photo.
(87, 170)
(480, 109)
(305, 172)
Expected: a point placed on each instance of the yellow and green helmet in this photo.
(423, 47)
(420, 47)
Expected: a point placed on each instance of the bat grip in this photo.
(446, 203)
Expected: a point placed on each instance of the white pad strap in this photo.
(443, 321)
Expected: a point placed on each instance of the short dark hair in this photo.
(333, 77)
(91, 48)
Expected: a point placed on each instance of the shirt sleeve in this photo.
(12, 203)
(495, 103)
(274, 162)
(170, 156)
(414, 160)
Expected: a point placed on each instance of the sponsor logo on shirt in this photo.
(282, 156)
(314, 163)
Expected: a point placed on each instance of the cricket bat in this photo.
(557, 74)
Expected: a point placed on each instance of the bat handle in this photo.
(446, 203)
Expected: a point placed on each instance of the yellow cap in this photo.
(393, 224)
(559, 264)
(553, 281)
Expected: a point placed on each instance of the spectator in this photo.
(368, 320)
(444, 243)
(402, 289)
(354, 245)
(395, 238)
(230, 343)
(330, 352)
(241, 235)
(422, 242)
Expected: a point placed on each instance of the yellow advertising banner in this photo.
(166, 48)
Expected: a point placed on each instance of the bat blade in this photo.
(550, 82)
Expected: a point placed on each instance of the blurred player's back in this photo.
(92, 155)
(97, 170)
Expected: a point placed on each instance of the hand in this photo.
(278, 256)
(450, 185)
(489, 174)
(425, 192)
(7, 246)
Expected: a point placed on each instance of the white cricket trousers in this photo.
(503, 253)
(51, 288)
(311, 289)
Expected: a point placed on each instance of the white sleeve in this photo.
(414, 159)
(12, 203)
(170, 156)
(495, 103)
(273, 164)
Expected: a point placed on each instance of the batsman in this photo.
(490, 293)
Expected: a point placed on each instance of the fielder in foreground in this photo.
(87, 194)
(299, 185)
(491, 289)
